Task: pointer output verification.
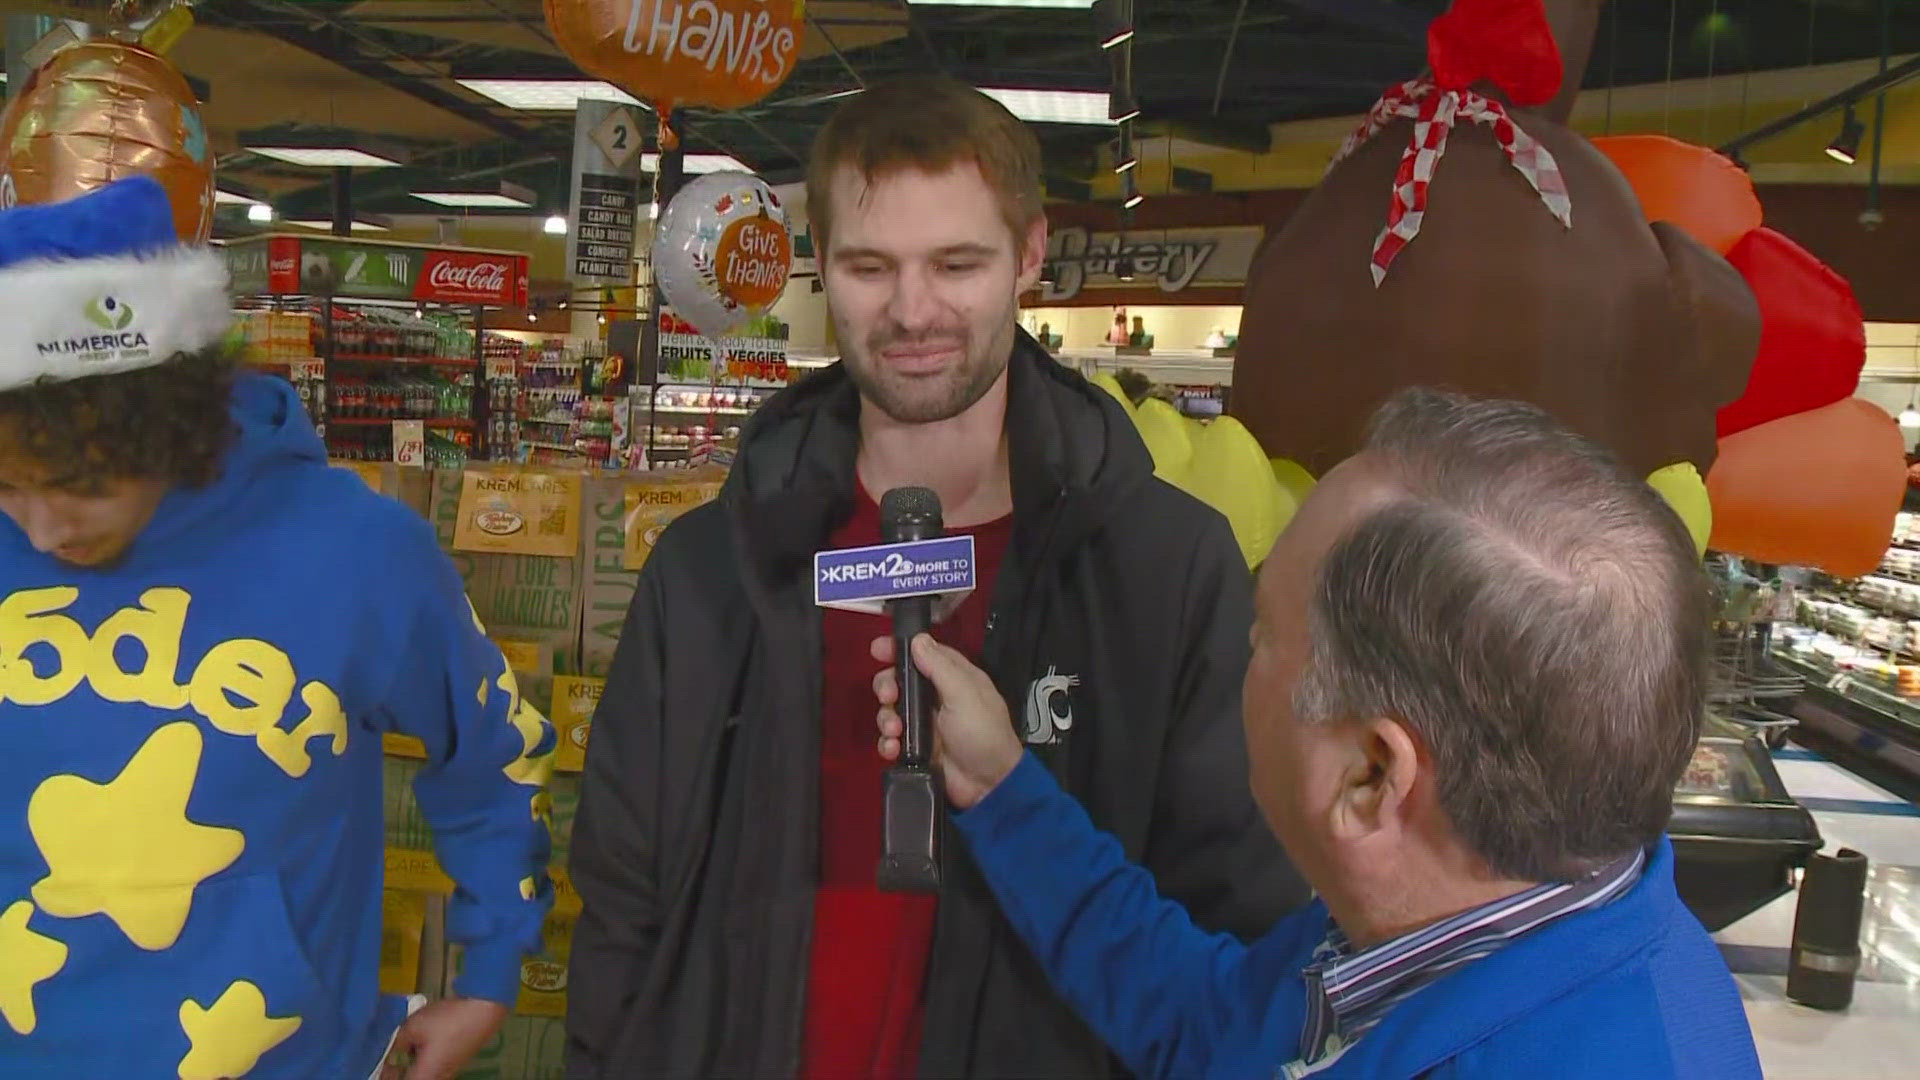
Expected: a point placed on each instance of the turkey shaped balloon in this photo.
(1466, 238)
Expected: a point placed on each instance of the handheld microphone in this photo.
(910, 856)
(914, 568)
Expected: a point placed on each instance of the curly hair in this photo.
(167, 422)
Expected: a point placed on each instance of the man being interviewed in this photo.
(729, 829)
(1479, 668)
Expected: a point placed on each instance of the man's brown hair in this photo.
(929, 123)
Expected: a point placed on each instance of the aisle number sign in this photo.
(606, 193)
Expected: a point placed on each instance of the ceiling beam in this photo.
(258, 17)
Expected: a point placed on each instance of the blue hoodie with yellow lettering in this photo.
(191, 813)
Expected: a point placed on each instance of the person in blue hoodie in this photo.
(204, 631)
(1479, 668)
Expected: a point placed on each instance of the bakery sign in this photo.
(1168, 260)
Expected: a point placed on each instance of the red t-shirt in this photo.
(869, 958)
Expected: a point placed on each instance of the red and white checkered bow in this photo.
(1434, 113)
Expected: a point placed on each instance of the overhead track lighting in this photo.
(1113, 22)
(1845, 148)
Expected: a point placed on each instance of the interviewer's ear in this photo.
(1377, 779)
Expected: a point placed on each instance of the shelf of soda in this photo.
(390, 395)
(377, 332)
(373, 441)
(459, 423)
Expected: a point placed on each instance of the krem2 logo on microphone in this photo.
(865, 579)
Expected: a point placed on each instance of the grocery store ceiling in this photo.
(1212, 77)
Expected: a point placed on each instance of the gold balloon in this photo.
(101, 111)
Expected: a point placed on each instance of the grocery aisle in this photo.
(1879, 1037)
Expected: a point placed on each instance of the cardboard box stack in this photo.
(550, 560)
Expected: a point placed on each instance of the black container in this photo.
(1826, 931)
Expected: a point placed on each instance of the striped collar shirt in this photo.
(1349, 991)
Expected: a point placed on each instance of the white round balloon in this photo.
(722, 251)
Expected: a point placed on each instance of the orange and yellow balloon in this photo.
(101, 111)
(724, 54)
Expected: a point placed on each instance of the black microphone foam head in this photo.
(910, 513)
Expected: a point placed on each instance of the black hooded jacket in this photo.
(695, 846)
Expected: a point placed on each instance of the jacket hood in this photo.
(271, 435)
(1074, 453)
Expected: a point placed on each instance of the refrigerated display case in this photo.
(1737, 835)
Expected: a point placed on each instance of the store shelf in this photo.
(406, 361)
(702, 410)
(456, 423)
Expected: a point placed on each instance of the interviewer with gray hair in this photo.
(1479, 668)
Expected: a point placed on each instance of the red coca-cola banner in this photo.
(459, 277)
(283, 264)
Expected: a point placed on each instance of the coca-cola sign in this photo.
(460, 278)
(283, 265)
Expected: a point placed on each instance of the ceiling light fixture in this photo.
(360, 224)
(324, 150)
(1064, 5)
(1845, 148)
(556, 226)
(696, 163)
(504, 195)
(259, 213)
(1134, 200)
(1055, 106)
(1122, 107)
(548, 95)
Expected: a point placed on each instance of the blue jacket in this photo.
(1633, 989)
(191, 814)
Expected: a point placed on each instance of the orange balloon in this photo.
(101, 111)
(1817, 488)
(721, 53)
(753, 260)
(1705, 194)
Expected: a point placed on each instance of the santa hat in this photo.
(101, 284)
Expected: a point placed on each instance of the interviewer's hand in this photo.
(974, 742)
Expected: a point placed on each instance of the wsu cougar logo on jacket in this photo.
(1049, 708)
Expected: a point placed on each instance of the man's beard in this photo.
(928, 399)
